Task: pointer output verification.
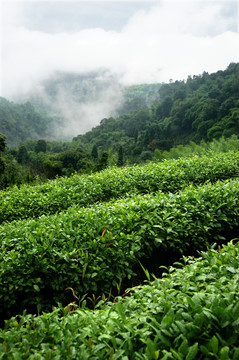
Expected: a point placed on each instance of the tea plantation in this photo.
(86, 239)
(113, 183)
(190, 313)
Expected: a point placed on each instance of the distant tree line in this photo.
(39, 160)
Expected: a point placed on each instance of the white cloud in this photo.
(198, 18)
(171, 40)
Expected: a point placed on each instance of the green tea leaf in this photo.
(214, 344)
(224, 353)
(192, 352)
(36, 287)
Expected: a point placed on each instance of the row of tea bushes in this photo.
(92, 249)
(60, 194)
(190, 313)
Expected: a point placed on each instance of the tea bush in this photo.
(169, 176)
(93, 249)
(190, 313)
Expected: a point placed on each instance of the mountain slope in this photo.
(146, 116)
(21, 121)
(202, 108)
(67, 104)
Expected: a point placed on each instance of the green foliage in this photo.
(62, 193)
(204, 107)
(13, 173)
(78, 242)
(92, 249)
(103, 161)
(190, 313)
(21, 121)
(3, 143)
(22, 154)
(120, 161)
(52, 168)
(136, 96)
(94, 152)
(40, 146)
(204, 148)
(72, 160)
(2, 166)
(44, 160)
(2, 148)
(153, 118)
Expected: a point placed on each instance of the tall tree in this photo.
(120, 161)
(22, 155)
(103, 163)
(3, 145)
(40, 146)
(94, 152)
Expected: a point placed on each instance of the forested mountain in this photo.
(21, 121)
(80, 101)
(142, 117)
(138, 96)
(90, 89)
(67, 104)
(152, 119)
(202, 108)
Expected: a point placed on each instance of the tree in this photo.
(136, 134)
(146, 155)
(120, 161)
(13, 172)
(94, 152)
(22, 154)
(40, 146)
(164, 108)
(2, 166)
(147, 137)
(3, 143)
(52, 168)
(103, 163)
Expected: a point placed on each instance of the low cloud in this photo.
(171, 40)
(79, 102)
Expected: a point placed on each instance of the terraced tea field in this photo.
(93, 235)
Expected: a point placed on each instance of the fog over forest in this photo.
(80, 101)
(74, 60)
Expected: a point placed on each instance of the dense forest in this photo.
(204, 107)
(41, 117)
(21, 121)
(153, 120)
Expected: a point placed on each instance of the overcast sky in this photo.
(140, 41)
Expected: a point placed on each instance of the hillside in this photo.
(73, 246)
(202, 108)
(141, 118)
(154, 121)
(67, 104)
(19, 122)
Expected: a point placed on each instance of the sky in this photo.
(139, 41)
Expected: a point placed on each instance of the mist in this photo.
(77, 101)
(155, 43)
